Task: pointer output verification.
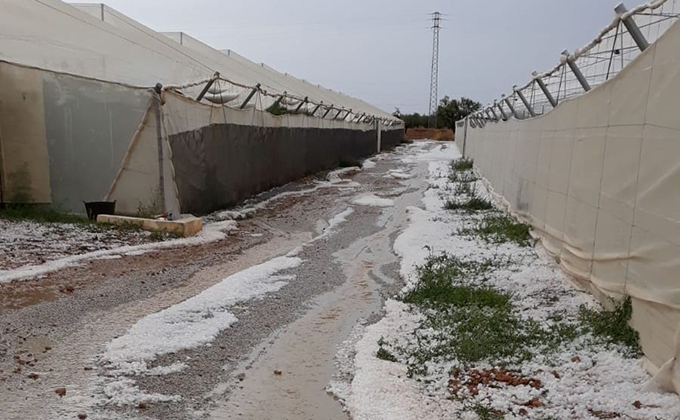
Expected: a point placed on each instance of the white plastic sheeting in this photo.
(598, 178)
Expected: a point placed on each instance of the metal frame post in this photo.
(327, 111)
(526, 103)
(632, 27)
(577, 71)
(504, 116)
(338, 114)
(279, 99)
(379, 129)
(544, 89)
(301, 103)
(493, 112)
(252, 93)
(159, 144)
(512, 108)
(319, 105)
(207, 87)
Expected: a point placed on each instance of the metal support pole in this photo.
(545, 90)
(504, 116)
(488, 114)
(526, 103)
(316, 108)
(338, 114)
(512, 108)
(377, 126)
(465, 130)
(279, 99)
(159, 145)
(301, 103)
(493, 112)
(632, 27)
(252, 93)
(206, 88)
(327, 111)
(577, 71)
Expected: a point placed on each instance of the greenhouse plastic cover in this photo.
(598, 178)
(93, 40)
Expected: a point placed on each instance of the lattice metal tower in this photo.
(434, 77)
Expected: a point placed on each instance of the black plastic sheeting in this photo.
(220, 165)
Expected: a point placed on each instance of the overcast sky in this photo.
(380, 50)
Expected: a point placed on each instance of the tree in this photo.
(448, 112)
(452, 110)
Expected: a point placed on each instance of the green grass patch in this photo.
(41, 214)
(613, 325)
(469, 321)
(462, 164)
(499, 228)
(471, 204)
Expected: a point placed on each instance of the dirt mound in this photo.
(429, 133)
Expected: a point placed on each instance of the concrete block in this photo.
(184, 227)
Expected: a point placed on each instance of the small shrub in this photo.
(462, 164)
(463, 177)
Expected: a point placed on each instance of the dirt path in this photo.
(274, 362)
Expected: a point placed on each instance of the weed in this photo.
(613, 325)
(462, 164)
(384, 354)
(158, 236)
(485, 413)
(463, 188)
(500, 228)
(466, 177)
(473, 204)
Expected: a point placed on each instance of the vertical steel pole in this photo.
(493, 112)
(252, 93)
(377, 126)
(512, 108)
(206, 88)
(577, 71)
(632, 27)
(526, 103)
(301, 103)
(504, 116)
(159, 145)
(317, 108)
(544, 88)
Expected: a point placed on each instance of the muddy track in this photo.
(275, 362)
